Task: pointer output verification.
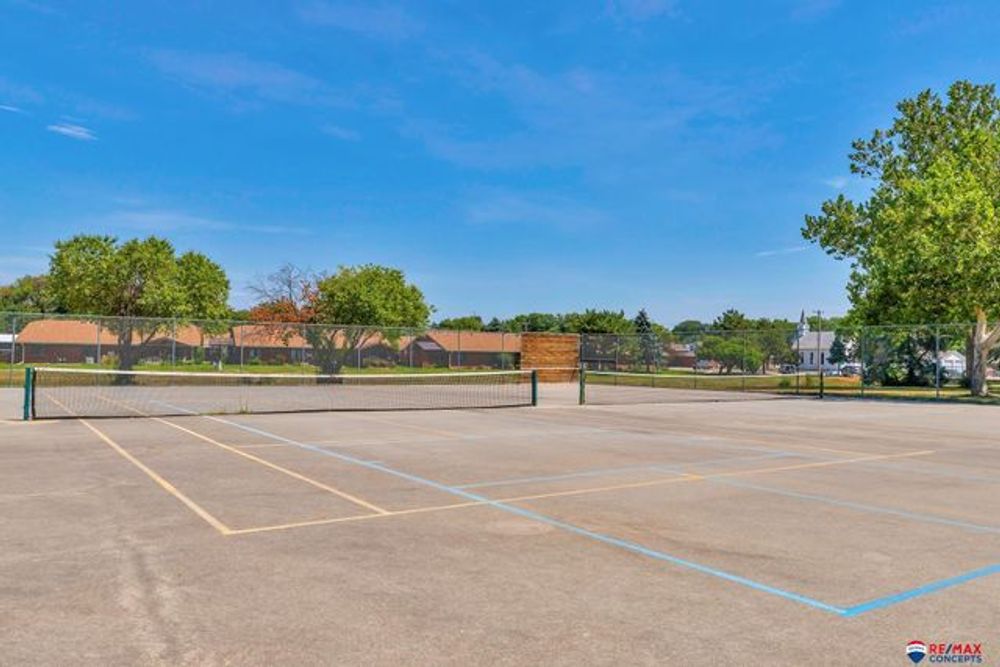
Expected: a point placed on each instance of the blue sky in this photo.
(508, 156)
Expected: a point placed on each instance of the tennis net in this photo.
(615, 388)
(52, 393)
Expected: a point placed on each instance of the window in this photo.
(812, 357)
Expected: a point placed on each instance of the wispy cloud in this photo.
(781, 251)
(836, 182)
(73, 131)
(932, 18)
(641, 10)
(490, 207)
(811, 10)
(236, 76)
(369, 19)
(10, 108)
(167, 220)
(342, 133)
(603, 120)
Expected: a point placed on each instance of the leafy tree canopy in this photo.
(28, 294)
(923, 246)
(137, 278)
(464, 323)
(598, 321)
(732, 320)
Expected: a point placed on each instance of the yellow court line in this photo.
(575, 492)
(274, 466)
(357, 517)
(688, 433)
(425, 429)
(167, 486)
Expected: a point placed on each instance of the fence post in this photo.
(863, 330)
(100, 331)
(534, 387)
(798, 360)
(937, 361)
(173, 343)
(13, 348)
(459, 364)
(819, 348)
(583, 383)
(743, 365)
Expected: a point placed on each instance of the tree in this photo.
(731, 320)
(774, 339)
(838, 351)
(132, 281)
(343, 312)
(28, 294)
(598, 321)
(649, 343)
(688, 331)
(923, 246)
(465, 323)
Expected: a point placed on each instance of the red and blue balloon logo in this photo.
(916, 651)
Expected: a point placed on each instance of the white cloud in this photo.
(342, 133)
(11, 108)
(235, 75)
(369, 19)
(73, 131)
(166, 220)
(551, 210)
(781, 251)
(836, 182)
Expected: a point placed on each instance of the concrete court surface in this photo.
(765, 532)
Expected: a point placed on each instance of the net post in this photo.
(583, 384)
(29, 393)
(534, 387)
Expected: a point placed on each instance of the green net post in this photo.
(29, 393)
(583, 384)
(534, 388)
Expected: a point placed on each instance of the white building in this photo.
(952, 364)
(813, 348)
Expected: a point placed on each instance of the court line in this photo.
(256, 459)
(291, 473)
(556, 523)
(356, 517)
(164, 484)
(920, 591)
(596, 472)
(674, 432)
(864, 507)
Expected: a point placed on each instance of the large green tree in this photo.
(28, 294)
(342, 312)
(134, 280)
(924, 245)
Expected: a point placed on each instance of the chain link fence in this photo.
(924, 361)
(202, 345)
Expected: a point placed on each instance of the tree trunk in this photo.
(983, 342)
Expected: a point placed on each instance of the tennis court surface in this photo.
(795, 531)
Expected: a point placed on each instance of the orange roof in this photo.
(287, 335)
(83, 332)
(476, 341)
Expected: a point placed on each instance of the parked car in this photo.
(849, 370)
(788, 369)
